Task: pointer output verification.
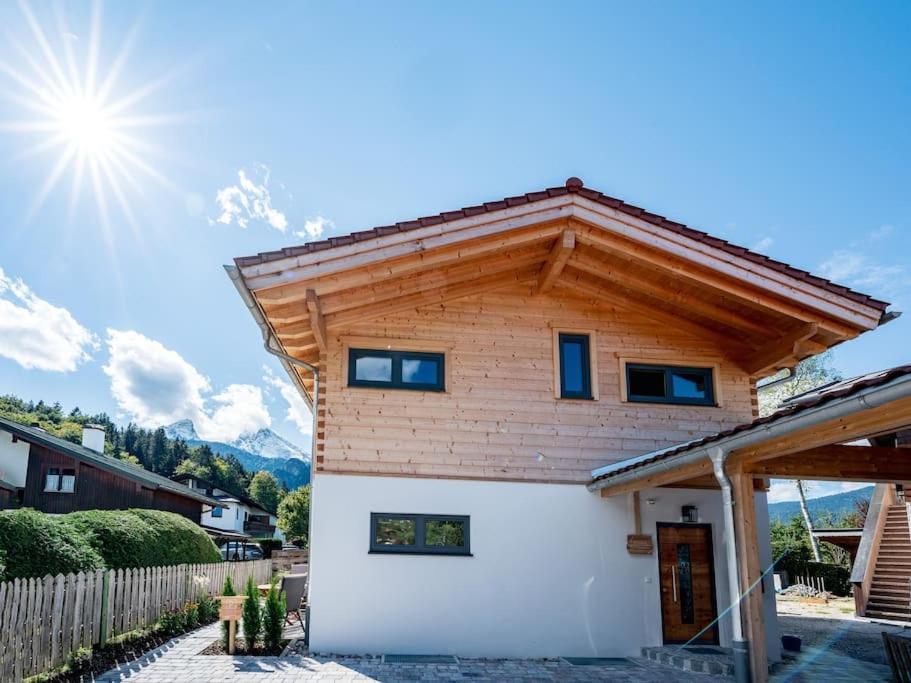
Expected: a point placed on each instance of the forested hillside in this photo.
(151, 449)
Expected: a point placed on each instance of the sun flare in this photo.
(73, 116)
(86, 125)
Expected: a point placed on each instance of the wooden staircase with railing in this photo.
(890, 590)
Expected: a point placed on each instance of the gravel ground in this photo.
(857, 639)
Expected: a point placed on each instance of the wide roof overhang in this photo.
(813, 437)
(761, 314)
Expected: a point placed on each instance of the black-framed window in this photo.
(575, 365)
(669, 384)
(415, 370)
(59, 480)
(420, 534)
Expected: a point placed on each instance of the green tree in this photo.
(273, 619)
(294, 514)
(226, 589)
(264, 489)
(252, 616)
(808, 375)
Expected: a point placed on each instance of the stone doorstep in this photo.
(721, 664)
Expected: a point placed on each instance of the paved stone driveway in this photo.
(178, 661)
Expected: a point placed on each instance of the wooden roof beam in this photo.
(438, 295)
(783, 353)
(559, 255)
(608, 271)
(582, 283)
(675, 265)
(840, 463)
(317, 322)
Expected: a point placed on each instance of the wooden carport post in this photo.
(750, 572)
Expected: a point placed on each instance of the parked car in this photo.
(238, 550)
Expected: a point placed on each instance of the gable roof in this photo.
(240, 498)
(798, 404)
(572, 186)
(120, 468)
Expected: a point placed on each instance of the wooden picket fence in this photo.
(43, 620)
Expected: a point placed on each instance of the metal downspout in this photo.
(268, 339)
(741, 646)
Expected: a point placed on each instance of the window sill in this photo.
(417, 552)
(636, 401)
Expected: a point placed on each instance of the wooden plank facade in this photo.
(499, 418)
(96, 489)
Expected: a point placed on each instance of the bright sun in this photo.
(70, 109)
(85, 124)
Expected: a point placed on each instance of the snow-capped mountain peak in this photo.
(268, 444)
(263, 442)
(182, 429)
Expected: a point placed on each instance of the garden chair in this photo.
(295, 588)
(898, 652)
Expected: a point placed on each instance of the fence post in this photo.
(105, 589)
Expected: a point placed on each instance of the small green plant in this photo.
(273, 619)
(227, 589)
(208, 608)
(79, 658)
(173, 623)
(191, 615)
(252, 616)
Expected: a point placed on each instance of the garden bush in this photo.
(36, 544)
(144, 538)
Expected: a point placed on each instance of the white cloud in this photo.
(249, 200)
(857, 270)
(882, 232)
(36, 334)
(298, 412)
(763, 245)
(842, 266)
(314, 228)
(155, 385)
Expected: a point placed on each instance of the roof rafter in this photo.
(614, 295)
(559, 255)
(607, 271)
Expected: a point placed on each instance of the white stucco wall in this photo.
(13, 459)
(549, 574)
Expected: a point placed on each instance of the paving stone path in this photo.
(179, 661)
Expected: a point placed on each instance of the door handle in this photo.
(674, 581)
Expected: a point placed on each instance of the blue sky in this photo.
(777, 127)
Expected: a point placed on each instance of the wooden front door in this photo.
(687, 583)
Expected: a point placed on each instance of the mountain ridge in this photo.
(260, 450)
(837, 504)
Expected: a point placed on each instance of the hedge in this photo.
(145, 538)
(36, 544)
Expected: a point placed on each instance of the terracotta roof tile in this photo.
(573, 185)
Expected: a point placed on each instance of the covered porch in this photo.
(845, 431)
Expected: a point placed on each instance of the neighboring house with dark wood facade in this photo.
(527, 412)
(53, 475)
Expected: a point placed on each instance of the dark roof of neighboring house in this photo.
(797, 404)
(572, 186)
(225, 534)
(120, 468)
(246, 500)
